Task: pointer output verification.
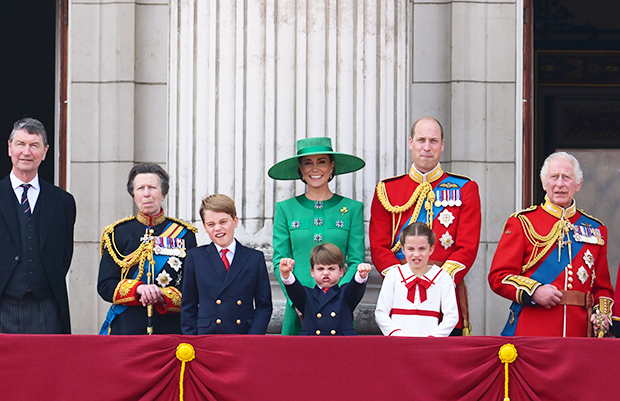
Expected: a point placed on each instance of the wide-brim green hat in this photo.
(343, 163)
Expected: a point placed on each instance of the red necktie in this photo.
(325, 290)
(225, 259)
(421, 284)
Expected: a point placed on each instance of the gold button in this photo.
(239, 302)
(219, 301)
(333, 332)
(319, 315)
(218, 321)
(570, 279)
(570, 272)
(333, 314)
(570, 286)
(238, 321)
(318, 332)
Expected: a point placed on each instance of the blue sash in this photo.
(546, 273)
(115, 310)
(436, 209)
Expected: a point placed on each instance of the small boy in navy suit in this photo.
(327, 308)
(225, 285)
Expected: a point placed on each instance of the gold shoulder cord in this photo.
(139, 256)
(423, 191)
(558, 231)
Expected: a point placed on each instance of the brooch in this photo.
(344, 210)
(318, 237)
(318, 221)
(295, 224)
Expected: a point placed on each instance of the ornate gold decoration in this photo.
(521, 283)
(187, 225)
(422, 192)
(543, 243)
(174, 295)
(605, 306)
(452, 267)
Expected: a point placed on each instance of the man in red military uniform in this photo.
(551, 261)
(446, 202)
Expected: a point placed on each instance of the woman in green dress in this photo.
(318, 216)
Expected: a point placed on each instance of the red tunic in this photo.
(459, 247)
(587, 272)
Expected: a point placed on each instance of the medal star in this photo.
(446, 240)
(588, 258)
(582, 274)
(175, 263)
(163, 279)
(446, 218)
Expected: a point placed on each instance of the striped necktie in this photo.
(24, 202)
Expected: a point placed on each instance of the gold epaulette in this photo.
(458, 175)
(592, 217)
(393, 178)
(109, 229)
(185, 224)
(529, 209)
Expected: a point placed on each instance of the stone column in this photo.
(249, 78)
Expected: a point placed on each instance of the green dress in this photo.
(300, 224)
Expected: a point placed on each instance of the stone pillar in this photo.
(465, 74)
(247, 79)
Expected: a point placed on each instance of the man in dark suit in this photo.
(36, 240)
(226, 285)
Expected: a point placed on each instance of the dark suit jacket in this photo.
(57, 209)
(216, 301)
(328, 313)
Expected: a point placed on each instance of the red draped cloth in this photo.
(79, 367)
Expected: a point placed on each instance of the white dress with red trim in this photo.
(396, 315)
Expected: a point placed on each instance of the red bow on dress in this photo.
(422, 285)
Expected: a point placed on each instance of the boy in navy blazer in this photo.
(327, 308)
(226, 285)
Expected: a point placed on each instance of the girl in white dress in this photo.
(415, 295)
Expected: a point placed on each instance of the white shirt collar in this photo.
(231, 248)
(16, 182)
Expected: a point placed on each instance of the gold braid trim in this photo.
(109, 230)
(185, 224)
(423, 191)
(539, 241)
(139, 256)
(382, 195)
(606, 306)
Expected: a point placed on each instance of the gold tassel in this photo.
(507, 354)
(185, 353)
